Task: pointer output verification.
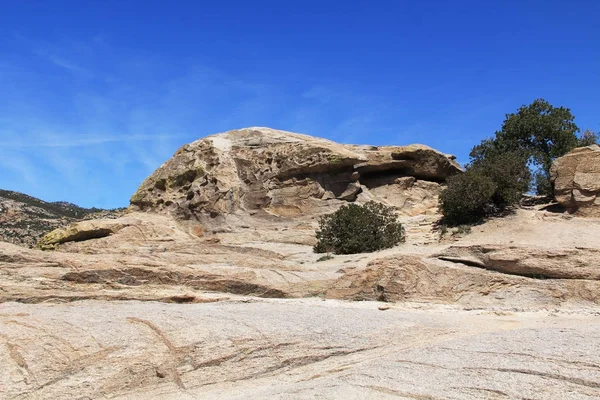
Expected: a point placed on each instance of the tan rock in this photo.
(24, 220)
(529, 261)
(414, 278)
(234, 303)
(155, 311)
(576, 178)
(84, 230)
(258, 168)
(301, 349)
(351, 192)
(427, 163)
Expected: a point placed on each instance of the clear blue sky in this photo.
(94, 95)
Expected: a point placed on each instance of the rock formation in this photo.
(81, 231)
(469, 275)
(208, 288)
(286, 173)
(576, 178)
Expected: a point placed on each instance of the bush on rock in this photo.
(359, 229)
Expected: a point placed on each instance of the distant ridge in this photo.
(25, 219)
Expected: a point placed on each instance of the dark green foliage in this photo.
(326, 257)
(545, 131)
(499, 173)
(489, 148)
(540, 131)
(510, 174)
(359, 229)
(489, 186)
(467, 197)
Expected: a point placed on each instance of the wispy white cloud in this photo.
(63, 56)
(69, 141)
(68, 65)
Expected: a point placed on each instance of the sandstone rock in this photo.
(81, 231)
(411, 196)
(151, 257)
(414, 278)
(351, 192)
(165, 309)
(260, 168)
(151, 306)
(427, 163)
(576, 178)
(529, 261)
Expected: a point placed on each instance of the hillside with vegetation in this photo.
(25, 219)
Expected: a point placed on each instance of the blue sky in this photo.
(94, 95)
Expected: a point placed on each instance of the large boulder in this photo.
(81, 231)
(576, 178)
(264, 169)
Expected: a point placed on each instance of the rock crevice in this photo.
(258, 168)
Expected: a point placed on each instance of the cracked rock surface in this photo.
(304, 348)
(155, 311)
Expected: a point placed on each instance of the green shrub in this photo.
(467, 197)
(489, 186)
(539, 131)
(510, 174)
(359, 229)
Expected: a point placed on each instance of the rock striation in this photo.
(576, 178)
(528, 261)
(455, 276)
(492, 314)
(284, 173)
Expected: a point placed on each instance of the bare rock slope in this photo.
(224, 298)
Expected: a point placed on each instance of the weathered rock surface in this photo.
(160, 309)
(264, 169)
(576, 178)
(530, 261)
(301, 349)
(414, 278)
(150, 258)
(218, 293)
(85, 230)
